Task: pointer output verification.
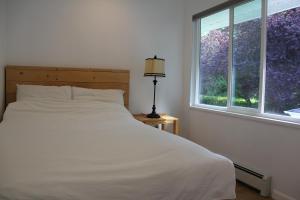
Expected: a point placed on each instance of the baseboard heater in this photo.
(254, 179)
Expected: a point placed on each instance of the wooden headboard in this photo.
(57, 76)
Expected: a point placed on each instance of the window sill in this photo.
(258, 118)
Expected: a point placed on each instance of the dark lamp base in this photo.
(153, 115)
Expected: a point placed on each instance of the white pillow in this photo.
(106, 95)
(35, 92)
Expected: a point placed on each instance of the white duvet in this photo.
(98, 151)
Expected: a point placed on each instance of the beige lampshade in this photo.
(155, 67)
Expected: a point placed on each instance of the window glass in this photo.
(246, 54)
(283, 58)
(214, 46)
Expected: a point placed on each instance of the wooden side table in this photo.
(163, 120)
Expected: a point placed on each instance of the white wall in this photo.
(2, 51)
(103, 33)
(267, 147)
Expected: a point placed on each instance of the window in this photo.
(283, 56)
(214, 46)
(246, 54)
(247, 58)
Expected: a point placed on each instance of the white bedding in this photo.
(98, 151)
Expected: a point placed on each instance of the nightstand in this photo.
(163, 120)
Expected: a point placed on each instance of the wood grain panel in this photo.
(56, 76)
(67, 76)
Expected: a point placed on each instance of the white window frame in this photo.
(236, 111)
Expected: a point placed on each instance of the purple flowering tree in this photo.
(246, 60)
(283, 61)
(214, 62)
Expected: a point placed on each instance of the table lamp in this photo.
(154, 67)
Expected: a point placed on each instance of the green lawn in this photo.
(222, 101)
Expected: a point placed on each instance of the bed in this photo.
(97, 150)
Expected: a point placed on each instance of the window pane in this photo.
(214, 59)
(246, 54)
(283, 57)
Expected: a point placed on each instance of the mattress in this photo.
(96, 150)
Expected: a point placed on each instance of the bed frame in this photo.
(59, 76)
